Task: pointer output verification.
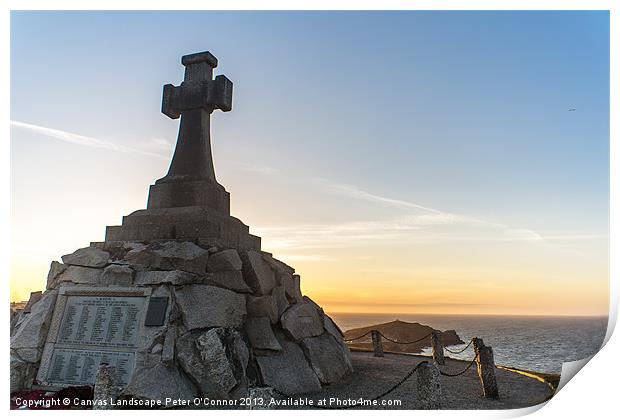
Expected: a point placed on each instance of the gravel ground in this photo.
(374, 375)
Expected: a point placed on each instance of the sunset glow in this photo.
(431, 192)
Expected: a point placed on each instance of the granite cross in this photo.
(194, 101)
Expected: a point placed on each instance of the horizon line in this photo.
(475, 314)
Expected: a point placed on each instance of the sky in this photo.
(402, 162)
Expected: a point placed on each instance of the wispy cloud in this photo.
(421, 224)
(352, 191)
(409, 229)
(345, 190)
(158, 145)
(86, 141)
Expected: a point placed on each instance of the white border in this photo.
(314, 5)
(593, 395)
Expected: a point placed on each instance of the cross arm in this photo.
(208, 95)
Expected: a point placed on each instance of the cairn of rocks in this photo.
(236, 320)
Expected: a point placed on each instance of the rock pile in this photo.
(236, 320)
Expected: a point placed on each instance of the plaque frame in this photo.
(51, 342)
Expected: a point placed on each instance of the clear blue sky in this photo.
(463, 112)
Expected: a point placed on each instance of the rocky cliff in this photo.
(401, 331)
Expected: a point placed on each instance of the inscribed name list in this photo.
(101, 321)
(77, 367)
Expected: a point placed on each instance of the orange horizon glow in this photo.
(398, 294)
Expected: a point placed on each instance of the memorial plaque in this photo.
(91, 326)
(156, 312)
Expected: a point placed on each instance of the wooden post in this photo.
(429, 387)
(486, 371)
(477, 342)
(260, 398)
(437, 344)
(377, 345)
(104, 391)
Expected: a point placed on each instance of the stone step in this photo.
(156, 233)
(190, 223)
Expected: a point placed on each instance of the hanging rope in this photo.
(459, 351)
(405, 342)
(461, 372)
(357, 338)
(378, 397)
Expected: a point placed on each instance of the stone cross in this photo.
(194, 101)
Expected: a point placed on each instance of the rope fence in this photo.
(483, 357)
(426, 385)
(388, 338)
(378, 397)
(410, 342)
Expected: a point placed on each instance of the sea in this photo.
(540, 344)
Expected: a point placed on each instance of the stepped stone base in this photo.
(194, 223)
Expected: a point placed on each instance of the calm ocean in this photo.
(536, 343)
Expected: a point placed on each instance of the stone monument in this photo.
(179, 298)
